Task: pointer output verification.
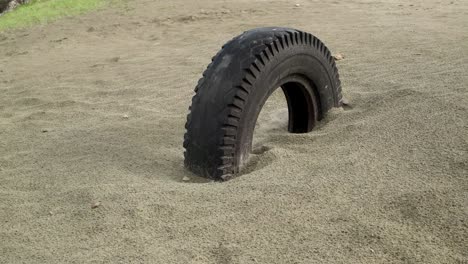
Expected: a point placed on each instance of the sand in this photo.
(92, 113)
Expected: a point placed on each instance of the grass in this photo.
(43, 11)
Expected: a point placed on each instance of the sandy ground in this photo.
(92, 110)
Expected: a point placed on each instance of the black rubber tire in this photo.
(238, 82)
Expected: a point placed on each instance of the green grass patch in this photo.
(42, 11)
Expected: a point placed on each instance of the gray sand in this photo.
(94, 117)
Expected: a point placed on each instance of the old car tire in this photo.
(235, 86)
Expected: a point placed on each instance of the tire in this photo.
(235, 86)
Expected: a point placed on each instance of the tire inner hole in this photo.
(272, 120)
